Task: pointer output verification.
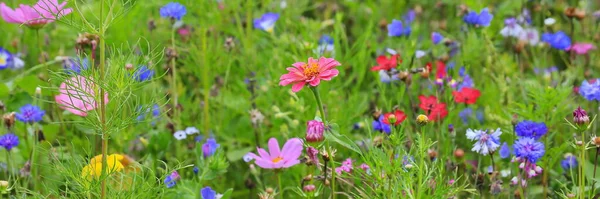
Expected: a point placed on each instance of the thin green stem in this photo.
(174, 77)
(319, 103)
(279, 184)
(34, 171)
(103, 102)
(582, 167)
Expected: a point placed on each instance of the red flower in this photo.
(438, 112)
(427, 103)
(397, 117)
(466, 95)
(440, 72)
(385, 63)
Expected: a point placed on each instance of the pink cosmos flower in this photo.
(77, 96)
(581, 48)
(312, 73)
(43, 12)
(276, 158)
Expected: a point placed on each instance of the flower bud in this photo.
(38, 91)
(596, 141)
(314, 131)
(129, 66)
(422, 119)
(459, 153)
(313, 155)
(9, 120)
(309, 188)
(269, 190)
(580, 117)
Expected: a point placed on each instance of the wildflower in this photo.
(410, 16)
(346, 167)
(428, 103)
(590, 90)
(422, 119)
(389, 75)
(76, 65)
(482, 19)
(94, 169)
(581, 48)
(191, 130)
(396, 29)
(365, 167)
(496, 187)
(381, 126)
(309, 188)
(438, 112)
(77, 95)
(485, 143)
(314, 131)
(465, 114)
(276, 158)
(9, 141)
(394, 118)
(558, 40)
(580, 117)
(9, 119)
(173, 10)
(313, 155)
(180, 135)
(209, 193)
(6, 58)
(549, 21)
(466, 95)
(172, 179)
(530, 35)
(325, 44)
(256, 117)
(266, 22)
(569, 162)
(504, 151)
(511, 28)
(209, 147)
(42, 13)
(30, 113)
(459, 153)
(531, 129)
(525, 17)
(530, 168)
(312, 73)
(143, 73)
(385, 63)
(436, 37)
(529, 149)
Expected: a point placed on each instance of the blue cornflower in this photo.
(436, 37)
(9, 141)
(173, 10)
(396, 29)
(155, 110)
(482, 19)
(531, 129)
(504, 151)
(462, 71)
(209, 147)
(171, 179)
(6, 59)
(266, 22)
(410, 16)
(143, 73)
(209, 193)
(378, 125)
(559, 40)
(325, 44)
(590, 90)
(485, 143)
(465, 114)
(528, 149)
(569, 162)
(155, 113)
(196, 170)
(30, 113)
(76, 65)
(467, 81)
(480, 116)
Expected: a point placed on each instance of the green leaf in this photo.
(238, 154)
(29, 83)
(50, 131)
(343, 140)
(4, 91)
(227, 194)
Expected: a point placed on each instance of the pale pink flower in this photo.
(310, 73)
(77, 95)
(279, 158)
(36, 16)
(581, 48)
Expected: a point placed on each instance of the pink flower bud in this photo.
(314, 131)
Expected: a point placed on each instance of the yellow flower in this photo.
(94, 169)
(422, 119)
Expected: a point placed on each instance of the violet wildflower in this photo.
(482, 19)
(209, 147)
(173, 10)
(581, 48)
(313, 155)
(531, 35)
(278, 158)
(143, 73)
(525, 17)
(436, 37)
(314, 131)
(191, 130)
(590, 90)
(76, 65)
(9, 141)
(504, 151)
(569, 162)
(30, 113)
(209, 193)
(559, 40)
(511, 28)
(387, 76)
(6, 59)
(465, 114)
(346, 167)
(485, 143)
(172, 179)
(309, 188)
(266, 22)
(196, 170)
(410, 16)
(531, 129)
(325, 44)
(397, 29)
(529, 149)
(580, 117)
(379, 125)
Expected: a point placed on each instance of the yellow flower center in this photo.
(311, 69)
(2, 61)
(277, 159)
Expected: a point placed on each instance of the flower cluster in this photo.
(531, 129)
(435, 110)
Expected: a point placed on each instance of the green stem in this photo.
(34, 172)
(174, 76)
(582, 167)
(279, 184)
(333, 173)
(103, 103)
(319, 102)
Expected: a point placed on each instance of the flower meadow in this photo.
(299, 99)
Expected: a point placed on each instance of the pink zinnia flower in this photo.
(312, 73)
(43, 12)
(276, 158)
(77, 96)
(581, 48)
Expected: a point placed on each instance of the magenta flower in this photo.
(581, 48)
(77, 95)
(276, 158)
(312, 73)
(314, 131)
(36, 16)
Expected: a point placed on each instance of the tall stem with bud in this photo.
(315, 92)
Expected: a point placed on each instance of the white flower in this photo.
(247, 158)
(530, 35)
(191, 130)
(420, 54)
(549, 21)
(180, 135)
(513, 30)
(17, 63)
(391, 51)
(505, 173)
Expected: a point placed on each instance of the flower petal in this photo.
(274, 148)
(298, 86)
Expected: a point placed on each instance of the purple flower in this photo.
(482, 19)
(266, 22)
(465, 114)
(530, 35)
(590, 90)
(528, 149)
(314, 131)
(9, 141)
(325, 44)
(173, 10)
(313, 154)
(484, 143)
(6, 59)
(143, 73)
(172, 179)
(436, 37)
(76, 65)
(209, 193)
(378, 125)
(30, 113)
(531, 129)
(410, 16)
(511, 28)
(559, 40)
(504, 151)
(209, 147)
(196, 170)
(396, 29)
(569, 162)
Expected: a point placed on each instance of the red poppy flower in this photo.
(466, 95)
(385, 63)
(397, 116)
(427, 103)
(438, 112)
